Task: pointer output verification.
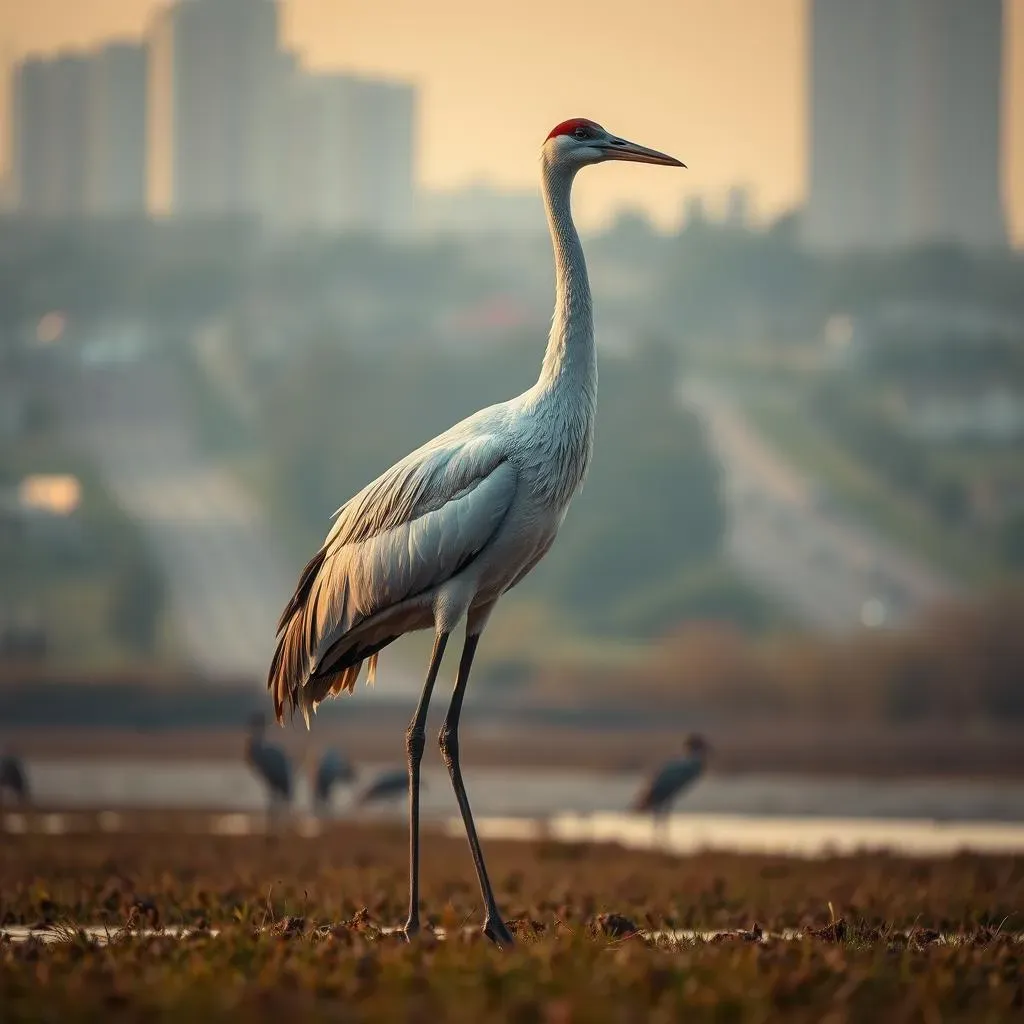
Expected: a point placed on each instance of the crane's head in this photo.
(697, 746)
(579, 141)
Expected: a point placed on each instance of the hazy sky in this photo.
(718, 83)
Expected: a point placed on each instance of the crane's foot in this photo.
(496, 930)
(411, 929)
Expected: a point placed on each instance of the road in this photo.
(833, 574)
(227, 578)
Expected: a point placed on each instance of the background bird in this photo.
(332, 769)
(392, 783)
(437, 539)
(271, 764)
(13, 778)
(672, 779)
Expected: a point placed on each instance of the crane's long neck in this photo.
(570, 361)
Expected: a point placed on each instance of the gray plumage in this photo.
(672, 779)
(270, 763)
(13, 778)
(439, 537)
(391, 783)
(331, 770)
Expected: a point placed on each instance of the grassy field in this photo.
(300, 922)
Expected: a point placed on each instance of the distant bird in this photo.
(270, 763)
(13, 778)
(672, 779)
(439, 537)
(331, 770)
(389, 784)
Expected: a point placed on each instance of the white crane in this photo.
(673, 778)
(271, 764)
(439, 537)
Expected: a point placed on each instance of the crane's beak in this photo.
(620, 149)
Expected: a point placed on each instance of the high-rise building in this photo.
(78, 141)
(216, 86)
(48, 138)
(904, 141)
(116, 134)
(347, 154)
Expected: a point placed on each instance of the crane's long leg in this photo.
(414, 742)
(494, 926)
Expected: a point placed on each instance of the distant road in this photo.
(832, 573)
(227, 579)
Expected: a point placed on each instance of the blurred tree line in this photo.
(84, 584)
(707, 278)
(960, 663)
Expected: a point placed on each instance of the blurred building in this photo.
(216, 87)
(737, 207)
(78, 140)
(116, 135)
(347, 149)
(49, 102)
(481, 209)
(905, 123)
(695, 212)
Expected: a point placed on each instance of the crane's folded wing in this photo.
(417, 525)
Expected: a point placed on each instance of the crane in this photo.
(390, 783)
(673, 778)
(441, 535)
(331, 770)
(14, 778)
(270, 763)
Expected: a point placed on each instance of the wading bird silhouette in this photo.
(13, 778)
(386, 786)
(271, 764)
(440, 536)
(671, 779)
(331, 770)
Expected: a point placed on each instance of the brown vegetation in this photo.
(962, 662)
(300, 934)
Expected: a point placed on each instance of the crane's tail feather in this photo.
(302, 675)
(291, 680)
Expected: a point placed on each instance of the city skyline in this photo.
(653, 73)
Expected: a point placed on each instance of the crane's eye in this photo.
(581, 133)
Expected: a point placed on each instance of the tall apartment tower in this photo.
(216, 86)
(48, 135)
(905, 141)
(348, 155)
(78, 139)
(116, 131)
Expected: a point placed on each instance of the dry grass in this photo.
(299, 934)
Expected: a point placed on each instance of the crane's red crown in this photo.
(570, 126)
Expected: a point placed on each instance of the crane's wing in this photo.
(667, 782)
(412, 528)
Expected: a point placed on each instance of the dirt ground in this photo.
(883, 937)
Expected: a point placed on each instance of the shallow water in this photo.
(763, 813)
(230, 786)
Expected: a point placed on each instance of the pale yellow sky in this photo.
(718, 83)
